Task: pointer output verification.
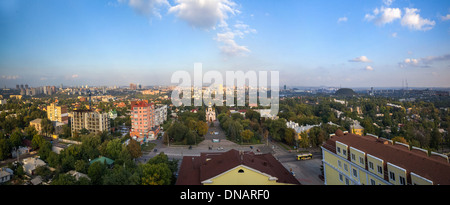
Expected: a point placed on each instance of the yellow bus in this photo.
(304, 156)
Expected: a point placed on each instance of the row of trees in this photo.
(159, 170)
(189, 129)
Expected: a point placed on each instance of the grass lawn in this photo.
(148, 147)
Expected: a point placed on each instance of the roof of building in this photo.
(102, 160)
(434, 167)
(141, 103)
(38, 120)
(194, 170)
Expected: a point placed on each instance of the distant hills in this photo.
(345, 92)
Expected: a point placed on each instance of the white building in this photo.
(31, 163)
(210, 114)
(5, 175)
(160, 115)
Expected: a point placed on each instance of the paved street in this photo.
(307, 172)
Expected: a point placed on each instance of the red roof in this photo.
(434, 167)
(194, 170)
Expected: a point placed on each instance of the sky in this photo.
(346, 43)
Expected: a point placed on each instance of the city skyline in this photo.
(377, 43)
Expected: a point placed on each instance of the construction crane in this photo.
(89, 92)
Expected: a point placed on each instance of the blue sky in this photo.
(344, 43)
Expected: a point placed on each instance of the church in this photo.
(210, 114)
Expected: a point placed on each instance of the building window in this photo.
(392, 176)
(380, 169)
(402, 180)
(361, 160)
(241, 171)
(355, 173)
(372, 182)
(371, 165)
(347, 182)
(345, 167)
(344, 152)
(341, 178)
(339, 150)
(353, 157)
(339, 164)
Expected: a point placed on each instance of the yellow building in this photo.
(57, 113)
(233, 168)
(357, 129)
(16, 96)
(369, 160)
(37, 124)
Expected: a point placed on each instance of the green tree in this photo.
(247, 135)
(289, 136)
(155, 174)
(113, 148)
(134, 149)
(64, 179)
(36, 141)
(30, 131)
(15, 140)
(234, 130)
(96, 171)
(4, 148)
(80, 166)
(436, 138)
(202, 128)
(45, 148)
(47, 126)
(121, 176)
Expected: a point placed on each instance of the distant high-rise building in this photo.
(17, 87)
(26, 86)
(133, 86)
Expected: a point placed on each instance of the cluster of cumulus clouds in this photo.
(409, 18)
(210, 15)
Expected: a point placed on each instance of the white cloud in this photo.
(384, 15)
(413, 21)
(411, 61)
(75, 76)
(369, 68)
(388, 2)
(342, 19)
(229, 45)
(394, 35)
(445, 18)
(205, 13)
(10, 77)
(363, 59)
(147, 8)
(424, 62)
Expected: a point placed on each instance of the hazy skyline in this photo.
(377, 43)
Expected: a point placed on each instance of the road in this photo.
(307, 172)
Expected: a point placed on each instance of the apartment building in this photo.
(57, 113)
(160, 115)
(142, 118)
(93, 121)
(370, 160)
